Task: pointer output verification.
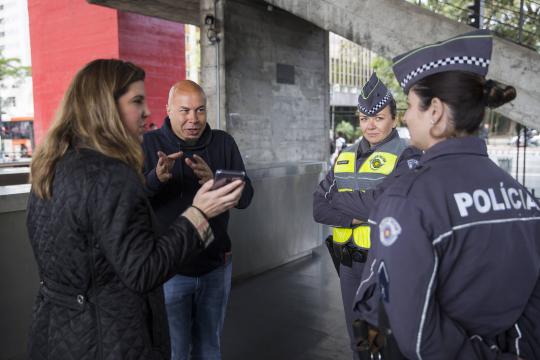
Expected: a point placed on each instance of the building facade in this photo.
(15, 94)
(350, 68)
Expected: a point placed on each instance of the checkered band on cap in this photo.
(469, 60)
(470, 52)
(377, 107)
(374, 96)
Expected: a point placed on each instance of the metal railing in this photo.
(519, 23)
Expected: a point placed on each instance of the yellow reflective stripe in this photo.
(361, 237)
(345, 162)
(341, 235)
(379, 163)
(344, 190)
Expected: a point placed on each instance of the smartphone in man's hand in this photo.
(224, 177)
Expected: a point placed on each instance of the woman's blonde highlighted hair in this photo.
(88, 117)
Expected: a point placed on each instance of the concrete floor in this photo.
(290, 313)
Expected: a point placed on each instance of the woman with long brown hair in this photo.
(100, 260)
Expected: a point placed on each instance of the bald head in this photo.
(187, 110)
(185, 87)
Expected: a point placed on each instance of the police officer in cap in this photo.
(346, 196)
(456, 264)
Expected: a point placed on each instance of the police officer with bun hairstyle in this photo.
(456, 261)
(346, 196)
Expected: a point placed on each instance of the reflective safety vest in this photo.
(371, 173)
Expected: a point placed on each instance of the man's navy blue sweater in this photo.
(170, 199)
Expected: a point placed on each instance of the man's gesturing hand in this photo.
(200, 168)
(165, 165)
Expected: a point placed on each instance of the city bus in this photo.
(16, 139)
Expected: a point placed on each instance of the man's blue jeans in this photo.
(196, 311)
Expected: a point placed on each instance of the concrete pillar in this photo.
(277, 91)
(212, 62)
(391, 27)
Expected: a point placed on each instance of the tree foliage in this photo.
(347, 129)
(12, 68)
(501, 16)
(350, 131)
(383, 68)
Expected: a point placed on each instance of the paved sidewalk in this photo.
(290, 313)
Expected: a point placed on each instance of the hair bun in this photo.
(497, 94)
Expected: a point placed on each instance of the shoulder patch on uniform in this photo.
(377, 161)
(412, 163)
(342, 162)
(402, 186)
(389, 231)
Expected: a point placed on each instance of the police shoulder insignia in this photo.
(389, 230)
(412, 163)
(377, 162)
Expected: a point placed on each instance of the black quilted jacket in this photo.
(101, 264)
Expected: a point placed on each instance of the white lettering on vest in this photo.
(496, 206)
(484, 205)
(531, 203)
(463, 201)
(514, 193)
(485, 201)
(505, 196)
(522, 199)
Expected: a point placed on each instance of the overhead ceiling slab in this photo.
(184, 11)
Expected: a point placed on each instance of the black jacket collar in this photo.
(470, 145)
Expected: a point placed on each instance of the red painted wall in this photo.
(158, 46)
(66, 34)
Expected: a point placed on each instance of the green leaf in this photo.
(10, 67)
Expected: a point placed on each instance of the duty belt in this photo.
(348, 254)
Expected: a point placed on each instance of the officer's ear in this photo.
(441, 122)
(436, 110)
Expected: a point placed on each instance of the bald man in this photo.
(180, 156)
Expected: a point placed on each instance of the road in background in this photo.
(506, 156)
